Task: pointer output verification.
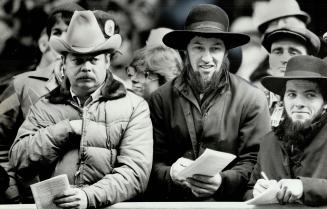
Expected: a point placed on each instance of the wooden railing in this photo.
(180, 205)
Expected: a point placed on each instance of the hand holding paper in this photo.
(177, 167)
(209, 163)
(45, 191)
(204, 186)
(264, 192)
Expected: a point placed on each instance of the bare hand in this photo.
(204, 186)
(262, 185)
(178, 166)
(291, 190)
(71, 198)
(76, 126)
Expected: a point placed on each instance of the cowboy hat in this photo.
(84, 35)
(310, 40)
(205, 20)
(300, 67)
(276, 9)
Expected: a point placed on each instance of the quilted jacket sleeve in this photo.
(38, 141)
(134, 161)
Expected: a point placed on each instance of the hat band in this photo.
(206, 25)
(302, 73)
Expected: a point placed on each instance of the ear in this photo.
(43, 43)
(108, 59)
(325, 106)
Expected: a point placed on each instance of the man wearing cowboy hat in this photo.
(90, 128)
(294, 154)
(205, 107)
(282, 44)
(26, 89)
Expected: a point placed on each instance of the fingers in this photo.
(204, 186)
(262, 185)
(67, 199)
(291, 190)
(194, 183)
(198, 192)
(280, 195)
(69, 205)
(66, 193)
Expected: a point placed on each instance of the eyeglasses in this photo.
(146, 74)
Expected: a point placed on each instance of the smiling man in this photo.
(283, 44)
(294, 154)
(205, 107)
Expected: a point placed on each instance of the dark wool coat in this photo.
(309, 165)
(233, 119)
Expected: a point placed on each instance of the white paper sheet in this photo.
(44, 191)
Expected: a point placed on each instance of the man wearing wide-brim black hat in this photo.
(205, 107)
(293, 155)
(283, 44)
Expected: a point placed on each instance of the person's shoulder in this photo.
(269, 139)
(22, 77)
(132, 98)
(245, 87)
(165, 89)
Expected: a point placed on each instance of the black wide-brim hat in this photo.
(300, 67)
(205, 20)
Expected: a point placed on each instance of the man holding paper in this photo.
(205, 107)
(294, 155)
(90, 127)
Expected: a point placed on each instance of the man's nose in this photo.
(285, 57)
(298, 102)
(206, 57)
(87, 66)
(135, 79)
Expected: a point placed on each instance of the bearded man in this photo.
(294, 154)
(205, 107)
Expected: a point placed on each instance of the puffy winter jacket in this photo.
(111, 160)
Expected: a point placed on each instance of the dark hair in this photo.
(56, 18)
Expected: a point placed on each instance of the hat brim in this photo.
(179, 39)
(269, 38)
(62, 47)
(277, 84)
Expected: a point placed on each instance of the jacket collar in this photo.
(42, 73)
(112, 89)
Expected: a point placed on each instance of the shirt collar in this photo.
(95, 95)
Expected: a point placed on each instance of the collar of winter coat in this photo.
(112, 89)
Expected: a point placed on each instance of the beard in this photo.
(300, 134)
(296, 132)
(201, 84)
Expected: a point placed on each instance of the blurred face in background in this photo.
(144, 13)
(144, 82)
(281, 51)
